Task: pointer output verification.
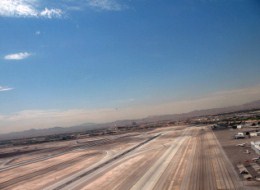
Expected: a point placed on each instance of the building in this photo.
(256, 146)
(254, 134)
(239, 126)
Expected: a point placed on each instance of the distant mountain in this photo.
(196, 113)
(50, 131)
(89, 126)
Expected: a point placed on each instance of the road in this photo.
(187, 159)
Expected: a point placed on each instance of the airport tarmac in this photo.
(188, 158)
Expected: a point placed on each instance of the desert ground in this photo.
(177, 157)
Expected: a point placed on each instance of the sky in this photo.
(68, 62)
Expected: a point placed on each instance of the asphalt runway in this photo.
(187, 159)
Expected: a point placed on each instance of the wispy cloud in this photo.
(109, 5)
(17, 56)
(27, 8)
(41, 9)
(103, 5)
(3, 88)
(50, 13)
(38, 32)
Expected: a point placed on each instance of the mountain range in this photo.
(168, 117)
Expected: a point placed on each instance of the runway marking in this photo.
(149, 180)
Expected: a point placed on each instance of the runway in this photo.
(186, 159)
(192, 161)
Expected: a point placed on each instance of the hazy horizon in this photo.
(33, 119)
(70, 62)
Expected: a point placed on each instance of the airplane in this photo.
(255, 159)
(244, 172)
(242, 144)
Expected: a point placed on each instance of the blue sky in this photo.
(88, 56)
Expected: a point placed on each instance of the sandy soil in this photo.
(49, 178)
(23, 170)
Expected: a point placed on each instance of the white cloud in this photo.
(2, 88)
(16, 8)
(109, 5)
(17, 56)
(50, 13)
(26, 8)
(40, 9)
